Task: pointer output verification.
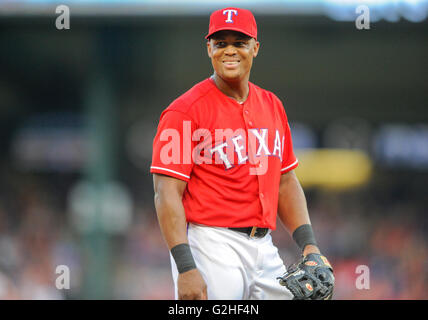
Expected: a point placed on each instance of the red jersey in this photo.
(231, 154)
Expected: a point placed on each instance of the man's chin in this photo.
(231, 76)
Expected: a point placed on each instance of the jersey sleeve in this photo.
(173, 145)
(289, 159)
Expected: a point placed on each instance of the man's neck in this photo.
(236, 90)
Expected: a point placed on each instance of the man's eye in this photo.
(220, 44)
(240, 44)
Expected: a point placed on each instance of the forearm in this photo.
(292, 207)
(172, 218)
(169, 208)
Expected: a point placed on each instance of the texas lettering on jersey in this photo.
(229, 147)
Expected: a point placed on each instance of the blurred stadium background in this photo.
(79, 109)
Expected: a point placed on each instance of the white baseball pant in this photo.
(235, 266)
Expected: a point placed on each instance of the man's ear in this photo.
(209, 48)
(256, 48)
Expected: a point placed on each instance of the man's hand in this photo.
(191, 286)
(310, 279)
(310, 249)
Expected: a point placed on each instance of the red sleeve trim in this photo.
(170, 172)
(290, 167)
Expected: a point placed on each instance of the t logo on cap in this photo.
(229, 15)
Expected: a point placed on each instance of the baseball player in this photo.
(223, 170)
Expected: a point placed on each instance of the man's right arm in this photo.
(172, 221)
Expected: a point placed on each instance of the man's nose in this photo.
(230, 49)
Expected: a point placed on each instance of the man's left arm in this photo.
(292, 207)
(312, 278)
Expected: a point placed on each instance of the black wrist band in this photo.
(183, 257)
(304, 235)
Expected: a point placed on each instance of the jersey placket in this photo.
(250, 124)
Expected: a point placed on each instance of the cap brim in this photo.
(232, 29)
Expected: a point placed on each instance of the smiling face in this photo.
(232, 54)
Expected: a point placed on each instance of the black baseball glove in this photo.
(311, 278)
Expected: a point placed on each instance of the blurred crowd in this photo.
(353, 229)
(378, 251)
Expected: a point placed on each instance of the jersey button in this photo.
(250, 123)
(246, 111)
(262, 195)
